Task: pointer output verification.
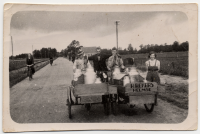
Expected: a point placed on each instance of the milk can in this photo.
(126, 80)
(133, 73)
(116, 71)
(77, 74)
(90, 75)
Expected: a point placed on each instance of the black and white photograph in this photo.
(87, 66)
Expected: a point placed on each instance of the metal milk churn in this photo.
(90, 75)
(126, 80)
(133, 73)
(77, 74)
(116, 71)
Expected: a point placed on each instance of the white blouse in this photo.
(153, 63)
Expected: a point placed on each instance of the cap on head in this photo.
(98, 48)
(114, 48)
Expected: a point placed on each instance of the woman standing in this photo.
(153, 66)
(30, 61)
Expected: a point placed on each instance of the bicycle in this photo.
(30, 72)
(51, 61)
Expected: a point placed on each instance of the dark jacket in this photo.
(29, 61)
(99, 65)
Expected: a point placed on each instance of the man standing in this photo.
(99, 62)
(115, 60)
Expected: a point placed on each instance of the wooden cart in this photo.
(89, 94)
(134, 93)
(138, 93)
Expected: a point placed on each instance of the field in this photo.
(18, 69)
(176, 90)
(176, 94)
(171, 63)
(16, 64)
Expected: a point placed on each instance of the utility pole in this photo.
(32, 51)
(12, 46)
(117, 23)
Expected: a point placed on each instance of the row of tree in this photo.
(71, 49)
(45, 53)
(175, 47)
(64, 52)
(42, 53)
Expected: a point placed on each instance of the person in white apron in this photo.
(153, 66)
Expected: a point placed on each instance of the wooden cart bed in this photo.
(94, 89)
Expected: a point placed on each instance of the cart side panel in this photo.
(143, 99)
(112, 89)
(135, 88)
(91, 99)
(90, 89)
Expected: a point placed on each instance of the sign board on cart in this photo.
(139, 87)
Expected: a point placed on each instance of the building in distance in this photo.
(89, 50)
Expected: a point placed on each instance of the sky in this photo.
(57, 29)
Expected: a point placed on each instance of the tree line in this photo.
(175, 47)
(45, 53)
(42, 53)
(71, 49)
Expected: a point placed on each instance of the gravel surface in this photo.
(43, 100)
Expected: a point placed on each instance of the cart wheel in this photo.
(106, 106)
(69, 109)
(149, 107)
(114, 108)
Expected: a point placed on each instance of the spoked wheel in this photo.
(106, 106)
(69, 109)
(149, 107)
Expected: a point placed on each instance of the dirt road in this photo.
(43, 100)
